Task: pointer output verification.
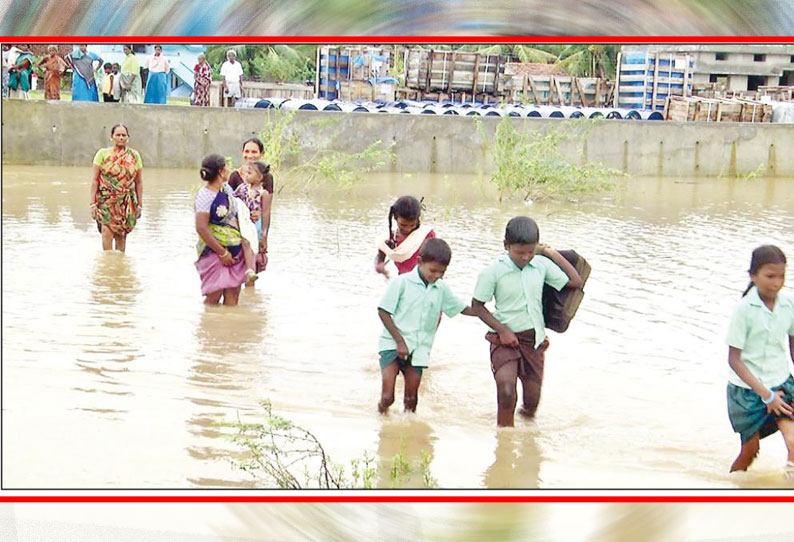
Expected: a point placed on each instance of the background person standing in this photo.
(232, 73)
(83, 82)
(54, 66)
(19, 73)
(131, 88)
(203, 77)
(157, 82)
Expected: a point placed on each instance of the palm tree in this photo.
(274, 62)
(589, 60)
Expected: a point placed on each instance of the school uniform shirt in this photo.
(415, 308)
(519, 292)
(763, 337)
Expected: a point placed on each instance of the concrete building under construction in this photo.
(734, 67)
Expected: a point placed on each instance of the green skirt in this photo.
(748, 413)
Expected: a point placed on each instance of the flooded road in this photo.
(115, 374)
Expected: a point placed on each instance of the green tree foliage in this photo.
(275, 63)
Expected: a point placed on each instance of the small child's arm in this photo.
(468, 311)
(506, 335)
(776, 405)
(380, 263)
(391, 327)
(575, 281)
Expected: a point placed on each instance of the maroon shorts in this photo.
(529, 359)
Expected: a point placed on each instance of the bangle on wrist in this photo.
(769, 399)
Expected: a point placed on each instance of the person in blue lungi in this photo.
(157, 82)
(84, 88)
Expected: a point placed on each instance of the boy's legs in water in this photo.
(531, 383)
(411, 395)
(531, 396)
(506, 378)
(747, 454)
(388, 380)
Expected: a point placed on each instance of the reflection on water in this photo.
(114, 361)
(516, 462)
(403, 447)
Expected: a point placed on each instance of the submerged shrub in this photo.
(532, 164)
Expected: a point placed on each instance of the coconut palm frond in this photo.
(577, 64)
(526, 53)
(495, 49)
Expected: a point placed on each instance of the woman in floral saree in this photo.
(203, 78)
(116, 189)
(221, 262)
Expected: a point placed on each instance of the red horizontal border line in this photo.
(407, 498)
(400, 39)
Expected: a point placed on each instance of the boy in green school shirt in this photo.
(410, 311)
(518, 342)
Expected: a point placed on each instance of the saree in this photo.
(54, 66)
(84, 87)
(117, 201)
(19, 79)
(213, 274)
(201, 88)
(131, 80)
(223, 222)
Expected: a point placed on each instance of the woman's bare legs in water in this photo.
(231, 296)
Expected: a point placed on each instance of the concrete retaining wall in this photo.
(66, 133)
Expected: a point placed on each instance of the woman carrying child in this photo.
(257, 193)
(518, 338)
(253, 149)
(760, 343)
(225, 258)
(410, 310)
(402, 247)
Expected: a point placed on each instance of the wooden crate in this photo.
(558, 90)
(679, 109)
(755, 111)
(777, 93)
(700, 109)
(455, 71)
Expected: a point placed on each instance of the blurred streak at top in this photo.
(242, 18)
